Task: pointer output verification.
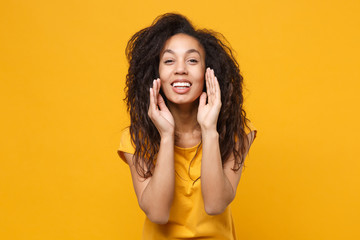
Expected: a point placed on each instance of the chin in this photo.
(183, 101)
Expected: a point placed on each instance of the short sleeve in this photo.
(252, 129)
(125, 144)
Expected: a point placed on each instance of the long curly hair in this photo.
(143, 54)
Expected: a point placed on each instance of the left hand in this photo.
(208, 114)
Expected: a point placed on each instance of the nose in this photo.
(180, 68)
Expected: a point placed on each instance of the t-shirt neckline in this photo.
(189, 148)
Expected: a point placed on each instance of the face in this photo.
(182, 69)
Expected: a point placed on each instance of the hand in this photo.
(162, 118)
(208, 113)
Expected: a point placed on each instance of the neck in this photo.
(185, 117)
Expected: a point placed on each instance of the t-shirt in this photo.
(188, 219)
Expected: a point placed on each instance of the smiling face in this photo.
(182, 69)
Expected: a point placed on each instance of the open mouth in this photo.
(181, 85)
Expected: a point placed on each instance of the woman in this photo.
(189, 134)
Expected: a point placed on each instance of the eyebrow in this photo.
(188, 51)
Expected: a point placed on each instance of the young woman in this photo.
(189, 134)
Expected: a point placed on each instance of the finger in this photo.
(162, 104)
(202, 100)
(152, 104)
(211, 74)
(213, 80)
(217, 89)
(158, 85)
(211, 87)
(207, 81)
(155, 92)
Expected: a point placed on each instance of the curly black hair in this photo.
(143, 53)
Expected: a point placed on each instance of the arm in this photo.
(155, 194)
(218, 182)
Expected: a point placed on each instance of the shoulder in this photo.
(250, 132)
(126, 145)
(250, 128)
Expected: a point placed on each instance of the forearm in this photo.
(157, 197)
(216, 189)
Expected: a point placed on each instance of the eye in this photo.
(168, 61)
(193, 61)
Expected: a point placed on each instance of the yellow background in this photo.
(62, 71)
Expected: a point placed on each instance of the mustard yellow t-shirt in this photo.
(188, 219)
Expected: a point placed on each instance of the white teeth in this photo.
(181, 84)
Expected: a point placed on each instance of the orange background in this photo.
(62, 72)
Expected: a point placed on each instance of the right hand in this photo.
(158, 111)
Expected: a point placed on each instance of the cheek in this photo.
(201, 78)
(164, 74)
(200, 73)
(200, 85)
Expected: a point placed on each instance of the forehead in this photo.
(181, 43)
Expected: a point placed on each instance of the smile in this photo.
(181, 87)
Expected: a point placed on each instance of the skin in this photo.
(191, 117)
